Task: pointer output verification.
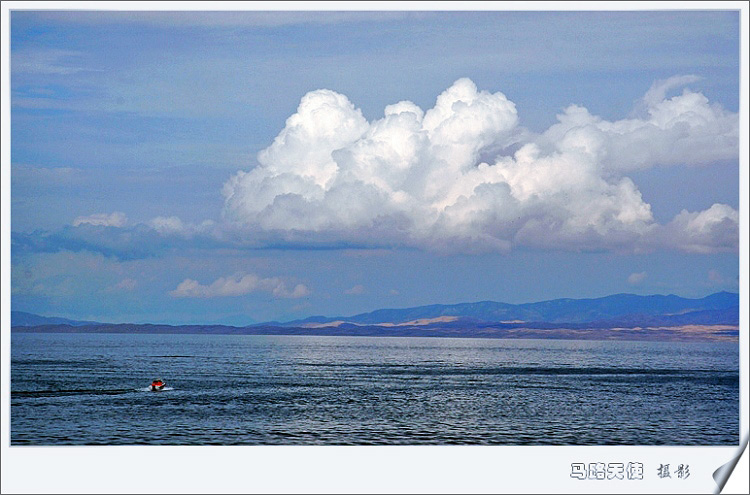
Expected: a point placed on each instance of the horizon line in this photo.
(285, 322)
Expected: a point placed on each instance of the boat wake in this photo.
(64, 393)
(148, 389)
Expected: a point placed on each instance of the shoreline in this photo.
(684, 333)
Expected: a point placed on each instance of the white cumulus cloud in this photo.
(239, 284)
(711, 230)
(462, 176)
(685, 129)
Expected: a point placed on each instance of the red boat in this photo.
(157, 385)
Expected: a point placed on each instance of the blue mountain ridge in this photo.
(23, 319)
(611, 307)
(718, 308)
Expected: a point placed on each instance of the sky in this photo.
(242, 167)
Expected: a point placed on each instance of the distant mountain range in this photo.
(486, 318)
(722, 307)
(22, 319)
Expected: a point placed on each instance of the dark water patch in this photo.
(180, 356)
(84, 363)
(533, 370)
(444, 369)
(63, 393)
(548, 387)
(716, 379)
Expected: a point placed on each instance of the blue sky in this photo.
(191, 168)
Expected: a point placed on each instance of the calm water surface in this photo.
(87, 389)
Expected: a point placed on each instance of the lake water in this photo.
(91, 389)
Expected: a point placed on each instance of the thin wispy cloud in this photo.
(47, 61)
(220, 18)
(356, 290)
(116, 219)
(124, 285)
(636, 278)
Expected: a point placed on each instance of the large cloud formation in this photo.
(463, 176)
